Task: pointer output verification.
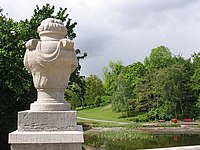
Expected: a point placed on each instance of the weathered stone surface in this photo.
(18, 137)
(47, 121)
(51, 60)
(45, 146)
(65, 140)
(60, 106)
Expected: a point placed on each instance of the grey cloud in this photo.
(148, 14)
(127, 30)
(94, 40)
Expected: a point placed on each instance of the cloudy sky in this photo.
(123, 30)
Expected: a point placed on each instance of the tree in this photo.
(72, 95)
(121, 96)
(173, 86)
(110, 75)
(195, 78)
(167, 92)
(164, 91)
(120, 82)
(133, 75)
(16, 87)
(163, 87)
(160, 57)
(146, 98)
(168, 85)
(94, 90)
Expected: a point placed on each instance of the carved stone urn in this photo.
(51, 60)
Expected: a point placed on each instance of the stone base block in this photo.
(47, 121)
(46, 147)
(54, 140)
(17, 137)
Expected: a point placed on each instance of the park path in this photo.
(107, 121)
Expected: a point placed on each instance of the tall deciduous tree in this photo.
(94, 90)
(196, 77)
(110, 75)
(171, 86)
(160, 57)
(121, 96)
(166, 91)
(72, 95)
(133, 75)
(146, 97)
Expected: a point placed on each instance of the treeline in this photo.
(164, 86)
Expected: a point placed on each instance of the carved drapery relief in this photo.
(51, 60)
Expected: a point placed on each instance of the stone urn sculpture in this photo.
(50, 124)
(51, 60)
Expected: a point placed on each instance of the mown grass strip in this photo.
(101, 113)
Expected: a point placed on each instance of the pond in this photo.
(156, 141)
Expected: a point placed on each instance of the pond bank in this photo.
(184, 129)
(112, 136)
(102, 138)
(171, 130)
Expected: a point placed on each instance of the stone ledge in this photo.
(36, 106)
(18, 137)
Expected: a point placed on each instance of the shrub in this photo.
(105, 100)
(141, 118)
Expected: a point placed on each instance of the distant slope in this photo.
(101, 113)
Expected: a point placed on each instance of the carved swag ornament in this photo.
(50, 59)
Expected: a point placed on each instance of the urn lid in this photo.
(51, 25)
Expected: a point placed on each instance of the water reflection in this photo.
(157, 141)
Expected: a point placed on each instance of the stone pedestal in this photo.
(47, 130)
(50, 124)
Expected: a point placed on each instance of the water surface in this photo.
(157, 141)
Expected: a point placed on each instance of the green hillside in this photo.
(101, 113)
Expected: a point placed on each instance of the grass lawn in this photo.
(101, 113)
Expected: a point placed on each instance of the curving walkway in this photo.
(107, 121)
